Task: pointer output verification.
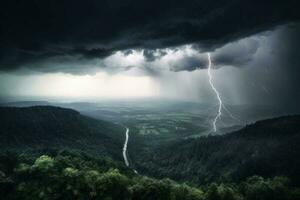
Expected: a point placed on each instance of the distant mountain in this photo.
(46, 127)
(267, 148)
(25, 103)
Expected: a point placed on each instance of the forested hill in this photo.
(267, 148)
(46, 127)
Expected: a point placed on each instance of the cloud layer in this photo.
(73, 34)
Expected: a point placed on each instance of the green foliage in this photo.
(44, 163)
(46, 128)
(222, 192)
(71, 176)
(266, 148)
(257, 188)
(151, 189)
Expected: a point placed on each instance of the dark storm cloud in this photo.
(36, 31)
(289, 60)
(189, 63)
(236, 54)
(127, 52)
(13, 58)
(90, 53)
(152, 55)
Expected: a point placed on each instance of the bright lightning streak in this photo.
(216, 92)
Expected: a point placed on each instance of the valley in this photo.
(169, 141)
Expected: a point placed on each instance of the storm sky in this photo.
(131, 48)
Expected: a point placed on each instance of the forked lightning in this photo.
(217, 94)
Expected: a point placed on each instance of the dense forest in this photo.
(266, 148)
(55, 153)
(47, 127)
(65, 175)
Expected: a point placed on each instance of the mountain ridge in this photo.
(267, 148)
(48, 127)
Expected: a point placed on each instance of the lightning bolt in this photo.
(217, 94)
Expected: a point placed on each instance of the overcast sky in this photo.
(131, 48)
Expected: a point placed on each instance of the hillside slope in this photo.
(72, 176)
(46, 127)
(267, 148)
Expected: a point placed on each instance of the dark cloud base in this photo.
(34, 32)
